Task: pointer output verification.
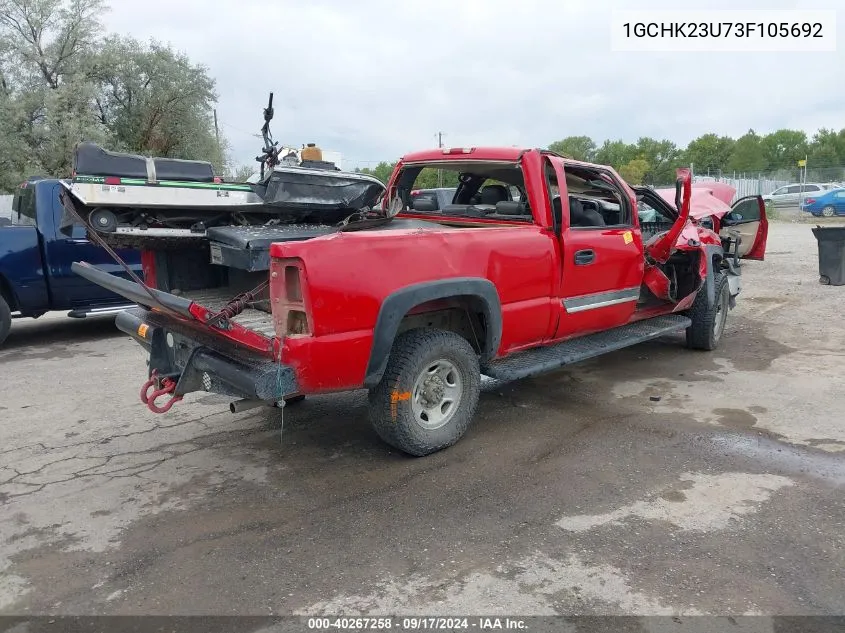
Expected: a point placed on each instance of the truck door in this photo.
(747, 222)
(601, 250)
(68, 288)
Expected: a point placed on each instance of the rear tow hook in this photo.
(166, 386)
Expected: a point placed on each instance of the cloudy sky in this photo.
(374, 79)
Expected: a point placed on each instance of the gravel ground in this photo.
(651, 481)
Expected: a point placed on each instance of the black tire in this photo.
(397, 403)
(294, 400)
(5, 319)
(708, 319)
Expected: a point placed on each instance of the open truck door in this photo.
(747, 225)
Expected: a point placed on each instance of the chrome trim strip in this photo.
(601, 299)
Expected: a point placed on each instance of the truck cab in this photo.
(36, 259)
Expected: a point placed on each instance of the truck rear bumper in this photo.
(198, 361)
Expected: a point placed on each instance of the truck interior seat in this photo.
(579, 215)
(493, 194)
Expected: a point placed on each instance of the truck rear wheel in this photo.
(708, 319)
(428, 394)
(5, 319)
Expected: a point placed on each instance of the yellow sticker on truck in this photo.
(628, 237)
(142, 330)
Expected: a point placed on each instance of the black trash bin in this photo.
(831, 241)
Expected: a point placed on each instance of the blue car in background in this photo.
(827, 204)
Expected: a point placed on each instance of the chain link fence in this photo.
(763, 183)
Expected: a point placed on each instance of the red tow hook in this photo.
(167, 385)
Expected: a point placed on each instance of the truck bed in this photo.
(216, 298)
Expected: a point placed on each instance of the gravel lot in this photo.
(574, 493)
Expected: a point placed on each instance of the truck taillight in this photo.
(288, 297)
(458, 150)
(293, 284)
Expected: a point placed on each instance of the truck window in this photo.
(493, 191)
(23, 207)
(595, 200)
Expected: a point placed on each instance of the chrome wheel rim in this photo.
(827, 212)
(721, 314)
(437, 394)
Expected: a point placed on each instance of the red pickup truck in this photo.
(538, 262)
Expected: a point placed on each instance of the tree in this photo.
(634, 171)
(577, 147)
(663, 157)
(381, 171)
(61, 83)
(241, 173)
(827, 149)
(154, 101)
(45, 47)
(747, 154)
(46, 40)
(615, 153)
(784, 148)
(709, 153)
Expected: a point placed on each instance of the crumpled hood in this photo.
(707, 198)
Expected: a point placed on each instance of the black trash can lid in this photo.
(829, 233)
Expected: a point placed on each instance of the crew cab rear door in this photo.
(747, 221)
(601, 264)
(662, 245)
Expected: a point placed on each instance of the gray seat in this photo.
(493, 194)
(578, 215)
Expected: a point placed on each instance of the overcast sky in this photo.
(374, 79)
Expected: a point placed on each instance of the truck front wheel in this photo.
(708, 319)
(428, 394)
(5, 319)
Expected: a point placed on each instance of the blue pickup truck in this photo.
(35, 260)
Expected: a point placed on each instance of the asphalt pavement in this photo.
(653, 481)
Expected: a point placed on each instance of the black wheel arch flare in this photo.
(399, 303)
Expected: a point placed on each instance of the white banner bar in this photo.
(723, 31)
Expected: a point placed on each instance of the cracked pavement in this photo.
(652, 481)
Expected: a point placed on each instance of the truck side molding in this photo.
(399, 303)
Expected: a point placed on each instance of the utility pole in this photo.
(440, 171)
(217, 135)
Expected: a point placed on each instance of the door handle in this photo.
(582, 258)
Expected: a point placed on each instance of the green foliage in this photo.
(154, 101)
(615, 153)
(429, 179)
(381, 171)
(747, 155)
(784, 148)
(577, 147)
(827, 149)
(709, 153)
(61, 83)
(663, 157)
(634, 171)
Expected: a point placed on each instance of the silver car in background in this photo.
(793, 195)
